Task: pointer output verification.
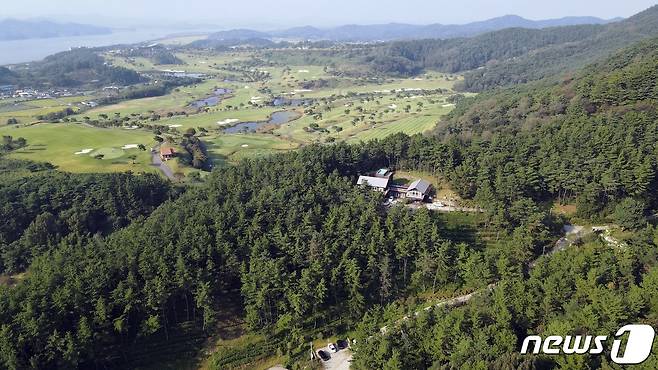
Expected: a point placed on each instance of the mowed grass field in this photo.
(27, 111)
(174, 101)
(415, 124)
(57, 144)
(233, 148)
(346, 109)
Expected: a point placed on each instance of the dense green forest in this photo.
(463, 54)
(111, 262)
(593, 289)
(49, 209)
(294, 255)
(592, 137)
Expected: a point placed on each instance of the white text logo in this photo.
(637, 349)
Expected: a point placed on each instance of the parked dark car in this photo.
(324, 355)
(341, 344)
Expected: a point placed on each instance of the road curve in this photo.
(156, 161)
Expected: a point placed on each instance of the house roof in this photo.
(167, 151)
(420, 185)
(382, 172)
(376, 182)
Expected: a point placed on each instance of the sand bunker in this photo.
(447, 105)
(84, 151)
(244, 145)
(228, 121)
(130, 146)
(174, 126)
(303, 71)
(303, 90)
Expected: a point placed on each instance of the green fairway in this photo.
(28, 111)
(177, 100)
(59, 143)
(416, 124)
(337, 108)
(232, 148)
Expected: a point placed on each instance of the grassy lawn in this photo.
(175, 101)
(27, 111)
(411, 125)
(58, 143)
(232, 148)
(211, 119)
(385, 107)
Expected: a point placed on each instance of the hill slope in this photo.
(566, 56)
(74, 68)
(517, 55)
(592, 137)
(622, 80)
(401, 31)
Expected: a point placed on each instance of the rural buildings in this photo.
(376, 183)
(418, 190)
(382, 181)
(379, 181)
(167, 153)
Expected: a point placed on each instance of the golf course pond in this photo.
(277, 118)
(281, 101)
(212, 100)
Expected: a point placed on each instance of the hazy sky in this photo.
(279, 13)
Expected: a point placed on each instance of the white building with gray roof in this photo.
(376, 183)
(418, 190)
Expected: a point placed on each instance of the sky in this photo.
(265, 14)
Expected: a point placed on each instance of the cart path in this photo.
(157, 162)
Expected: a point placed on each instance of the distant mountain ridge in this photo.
(401, 31)
(14, 29)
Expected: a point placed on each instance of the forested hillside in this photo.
(74, 68)
(41, 211)
(590, 290)
(462, 54)
(592, 136)
(567, 56)
(112, 262)
(292, 233)
(515, 56)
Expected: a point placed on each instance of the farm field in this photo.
(58, 144)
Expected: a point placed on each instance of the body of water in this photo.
(277, 118)
(23, 51)
(280, 101)
(213, 100)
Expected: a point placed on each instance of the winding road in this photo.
(572, 234)
(156, 161)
